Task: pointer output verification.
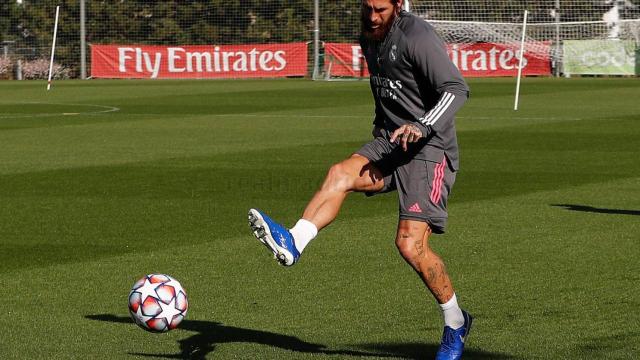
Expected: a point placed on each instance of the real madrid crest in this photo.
(393, 54)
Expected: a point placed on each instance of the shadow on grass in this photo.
(609, 346)
(591, 209)
(209, 334)
(420, 351)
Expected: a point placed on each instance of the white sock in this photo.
(303, 232)
(452, 313)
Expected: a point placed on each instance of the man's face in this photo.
(378, 16)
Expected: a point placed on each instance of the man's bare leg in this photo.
(353, 174)
(412, 240)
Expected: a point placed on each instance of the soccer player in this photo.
(417, 91)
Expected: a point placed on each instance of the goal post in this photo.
(237, 39)
(568, 37)
(521, 59)
(563, 37)
(53, 47)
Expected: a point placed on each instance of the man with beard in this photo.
(417, 90)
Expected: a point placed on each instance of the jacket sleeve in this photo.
(429, 56)
(378, 119)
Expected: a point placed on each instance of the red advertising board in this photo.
(342, 59)
(473, 60)
(198, 61)
(494, 59)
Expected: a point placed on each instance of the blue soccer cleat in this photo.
(275, 237)
(452, 343)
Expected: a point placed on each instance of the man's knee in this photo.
(411, 240)
(338, 178)
(409, 245)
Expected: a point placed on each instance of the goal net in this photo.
(562, 37)
(237, 39)
(158, 39)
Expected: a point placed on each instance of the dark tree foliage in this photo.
(192, 22)
(197, 22)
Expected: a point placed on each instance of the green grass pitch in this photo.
(102, 182)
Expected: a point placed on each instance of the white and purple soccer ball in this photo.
(158, 303)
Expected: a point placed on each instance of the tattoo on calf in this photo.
(432, 274)
(419, 247)
(436, 279)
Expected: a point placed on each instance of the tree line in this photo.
(27, 27)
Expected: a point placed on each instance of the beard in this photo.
(379, 33)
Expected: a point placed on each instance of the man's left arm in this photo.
(429, 55)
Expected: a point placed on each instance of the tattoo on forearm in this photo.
(416, 129)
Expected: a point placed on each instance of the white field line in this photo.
(109, 109)
(105, 109)
(369, 116)
(517, 118)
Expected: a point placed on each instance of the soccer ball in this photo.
(158, 303)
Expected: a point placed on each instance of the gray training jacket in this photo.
(414, 81)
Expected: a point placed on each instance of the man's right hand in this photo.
(406, 134)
